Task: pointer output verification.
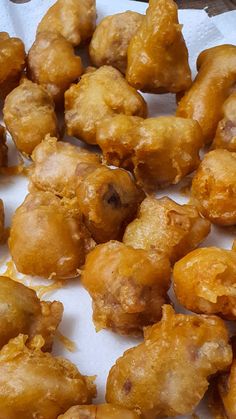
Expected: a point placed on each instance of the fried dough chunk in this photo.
(29, 115)
(53, 64)
(212, 86)
(73, 19)
(165, 226)
(110, 41)
(34, 384)
(101, 411)
(214, 187)
(2, 222)
(48, 238)
(128, 287)
(99, 94)
(226, 130)
(167, 375)
(227, 389)
(3, 147)
(157, 53)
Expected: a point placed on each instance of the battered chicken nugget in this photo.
(227, 391)
(99, 94)
(53, 64)
(29, 115)
(128, 287)
(73, 19)
(47, 238)
(3, 147)
(226, 130)
(157, 54)
(205, 98)
(110, 41)
(102, 411)
(23, 312)
(167, 375)
(165, 226)
(214, 187)
(2, 221)
(34, 384)
(108, 200)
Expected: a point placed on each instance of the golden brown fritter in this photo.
(34, 384)
(29, 115)
(226, 130)
(3, 147)
(205, 98)
(167, 375)
(157, 53)
(227, 391)
(128, 287)
(101, 411)
(99, 94)
(2, 222)
(73, 19)
(214, 187)
(165, 226)
(110, 41)
(47, 237)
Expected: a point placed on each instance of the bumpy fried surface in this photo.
(128, 287)
(102, 411)
(227, 391)
(111, 39)
(167, 227)
(29, 115)
(34, 384)
(226, 130)
(205, 98)
(167, 375)
(23, 312)
(214, 187)
(108, 200)
(99, 94)
(47, 238)
(73, 19)
(53, 64)
(2, 221)
(3, 147)
(157, 54)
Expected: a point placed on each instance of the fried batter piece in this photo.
(167, 375)
(102, 411)
(214, 187)
(128, 287)
(227, 390)
(110, 41)
(165, 226)
(2, 221)
(73, 19)
(53, 64)
(34, 384)
(226, 130)
(99, 94)
(212, 86)
(47, 237)
(29, 115)
(3, 147)
(157, 53)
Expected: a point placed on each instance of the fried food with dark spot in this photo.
(226, 130)
(101, 411)
(3, 147)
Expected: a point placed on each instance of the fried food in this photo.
(110, 41)
(23, 312)
(226, 130)
(214, 187)
(34, 384)
(73, 19)
(53, 64)
(2, 221)
(29, 115)
(102, 411)
(128, 287)
(227, 391)
(3, 147)
(109, 200)
(47, 237)
(99, 94)
(157, 53)
(212, 86)
(167, 374)
(164, 226)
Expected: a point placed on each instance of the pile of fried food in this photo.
(83, 216)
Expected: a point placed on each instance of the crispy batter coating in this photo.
(73, 19)
(128, 287)
(3, 147)
(47, 237)
(23, 312)
(165, 226)
(204, 282)
(110, 41)
(214, 187)
(205, 98)
(167, 375)
(109, 200)
(157, 53)
(226, 130)
(99, 94)
(227, 391)
(29, 115)
(2, 221)
(53, 64)
(102, 411)
(34, 384)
